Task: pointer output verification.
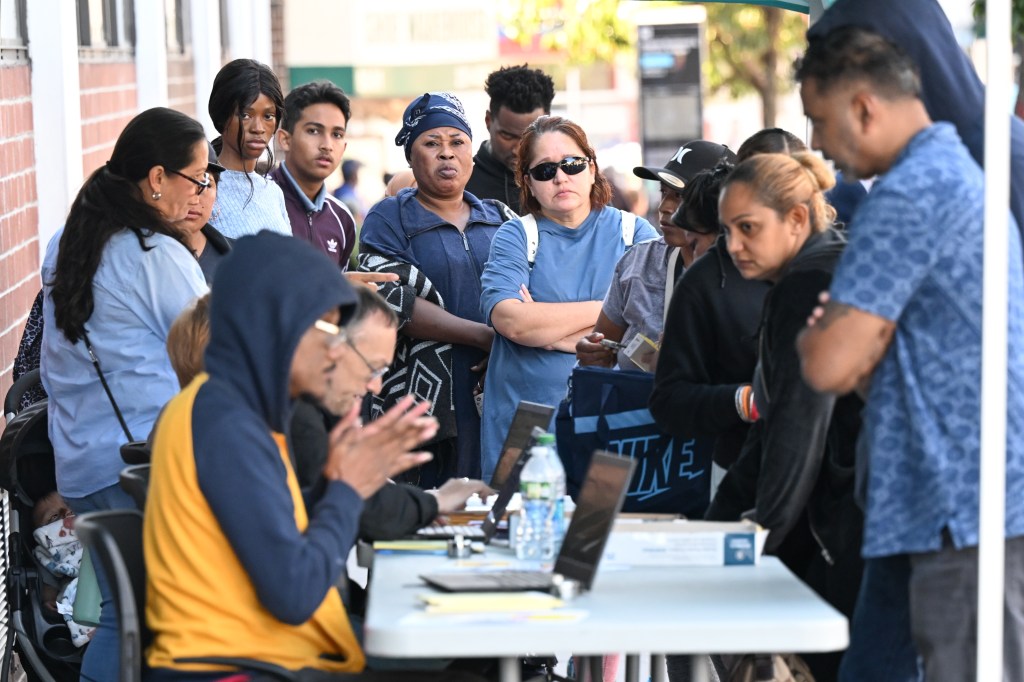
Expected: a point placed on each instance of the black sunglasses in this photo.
(201, 185)
(570, 165)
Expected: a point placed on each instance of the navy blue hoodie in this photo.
(236, 565)
(951, 90)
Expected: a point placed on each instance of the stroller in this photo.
(40, 636)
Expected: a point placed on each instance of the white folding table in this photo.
(663, 610)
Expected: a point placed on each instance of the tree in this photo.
(751, 49)
(583, 30)
(1017, 28)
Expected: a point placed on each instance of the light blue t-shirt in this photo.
(571, 265)
(243, 208)
(915, 258)
(137, 294)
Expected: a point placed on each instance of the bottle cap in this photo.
(546, 439)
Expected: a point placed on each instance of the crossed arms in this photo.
(841, 347)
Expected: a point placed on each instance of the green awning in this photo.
(795, 5)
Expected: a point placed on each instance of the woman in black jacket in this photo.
(794, 475)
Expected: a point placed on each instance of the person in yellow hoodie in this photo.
(236, 567)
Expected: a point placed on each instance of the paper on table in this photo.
(411, 546)
(490, 602)
(503, 618)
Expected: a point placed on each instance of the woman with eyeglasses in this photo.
(206, 241)
(541, 299)
(114, 278)
(435, 237)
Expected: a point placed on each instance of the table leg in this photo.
(510, 670)
(632, 668)
(699, 668)
(658, 672)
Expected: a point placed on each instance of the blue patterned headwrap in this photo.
(432, 110)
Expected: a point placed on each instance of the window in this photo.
(13, 29)
(179, 25)
(106, 23)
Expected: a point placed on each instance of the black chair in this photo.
(115, 540)
(135, 481)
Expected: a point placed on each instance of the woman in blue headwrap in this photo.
(436, 237)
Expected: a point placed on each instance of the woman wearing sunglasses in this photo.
(435, 237)
(539, 312)
(796, 469)
(116, 276)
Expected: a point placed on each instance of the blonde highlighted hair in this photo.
(187, 339)
(782, 181)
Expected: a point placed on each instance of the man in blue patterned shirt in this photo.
(903, 322)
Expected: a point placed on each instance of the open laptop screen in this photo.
(528, 415)
(600, 500)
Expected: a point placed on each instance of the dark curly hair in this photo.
(698, 202)
(519, 89)
(111, 201)
(851, 53)
(317, 92)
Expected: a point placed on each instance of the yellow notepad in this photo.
(411, 546)
(475, 602)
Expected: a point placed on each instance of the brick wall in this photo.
(108, 102)
(181, 83)
(19, 248)
(277, 43)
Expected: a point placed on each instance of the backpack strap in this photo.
(628, 227)
(532, 237)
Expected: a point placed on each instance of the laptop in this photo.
(529, 421)
(600, 500)
(528, 416)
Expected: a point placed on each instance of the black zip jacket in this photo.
(795, 475)
(709, 350)
(491, 179)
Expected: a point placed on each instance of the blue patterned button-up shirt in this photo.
(915, 258)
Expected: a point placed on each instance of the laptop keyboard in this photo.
(471, 532)
(524, 579)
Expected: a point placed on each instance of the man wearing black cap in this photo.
(640, 289)
(690, 159)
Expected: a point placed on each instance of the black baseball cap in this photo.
(690, 159)
(212, 165)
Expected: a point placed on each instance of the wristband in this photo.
(745, 406)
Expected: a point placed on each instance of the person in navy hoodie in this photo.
(950, 87)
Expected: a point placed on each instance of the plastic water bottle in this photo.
(542, 487)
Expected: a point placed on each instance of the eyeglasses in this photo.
(201, 185)
(339, 333)
(570, 165)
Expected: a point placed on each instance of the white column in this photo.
(150, 54)
(56, 110)
(995, 282)
(262, 49)
(206, 56)
(249, 30)
(240, 31)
